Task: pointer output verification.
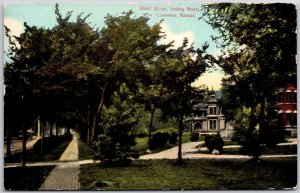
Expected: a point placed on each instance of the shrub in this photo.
(173, 135)
(141, 132)
(214, 142)
(173, 138)
(250, 145)
(194, 136)
(162, 137)
(117, 139)
(159, 139)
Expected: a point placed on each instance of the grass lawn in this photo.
(141, 144)
(29, 178)
(53, 149)
(230, 143)
(202, 174)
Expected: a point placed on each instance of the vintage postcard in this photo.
(150, 96)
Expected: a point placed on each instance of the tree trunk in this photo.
(23, 157)
(88, 136)
(56, 130)
(92, 130)
(180, 121)
(150, 127)
(96, 118)
(42, 139)
(262, 115)
(51, 129)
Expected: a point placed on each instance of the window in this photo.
(213, 124)
(288, 97)
(288, 119)
(295, 97)
(212, 110)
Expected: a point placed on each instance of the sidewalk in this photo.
(65, 175)
(189, 151)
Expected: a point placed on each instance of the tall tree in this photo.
(182, 67)
(259, 49)
(27, 54)
(126, 46)
(70, 73)
(151, 91)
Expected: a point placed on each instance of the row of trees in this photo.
(75, 75)
(259, 57)
(97, 80)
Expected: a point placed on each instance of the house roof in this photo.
(199, 106)
(218, 94)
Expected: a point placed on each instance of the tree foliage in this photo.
(118, 121)
(182, 67)
(94, 78)
(259, 49)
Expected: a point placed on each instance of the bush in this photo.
(159, 139)
(117, 139)
(250, 145)
(173, 138)
(173, 135)
(162, 137)
(141, 132)
(214, 142)
(194, 136)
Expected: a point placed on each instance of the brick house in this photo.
(286, 105)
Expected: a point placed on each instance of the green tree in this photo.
(180, 71)
(72, 73)
(126, 47)
(118, 121)
(27, 54)
(152, 92)
(259, 49)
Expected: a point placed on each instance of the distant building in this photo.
(286, 105)
(208, 119)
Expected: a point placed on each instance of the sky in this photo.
(185, 24)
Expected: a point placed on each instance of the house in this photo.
(286, 105)
(207, 118)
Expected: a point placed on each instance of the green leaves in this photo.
(258, 59)
(95, 77)
(118, 121)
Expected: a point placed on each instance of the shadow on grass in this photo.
(53, 148)
(29, 178)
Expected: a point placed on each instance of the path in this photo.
(65, 175)
(49, 163)
(189, 151)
